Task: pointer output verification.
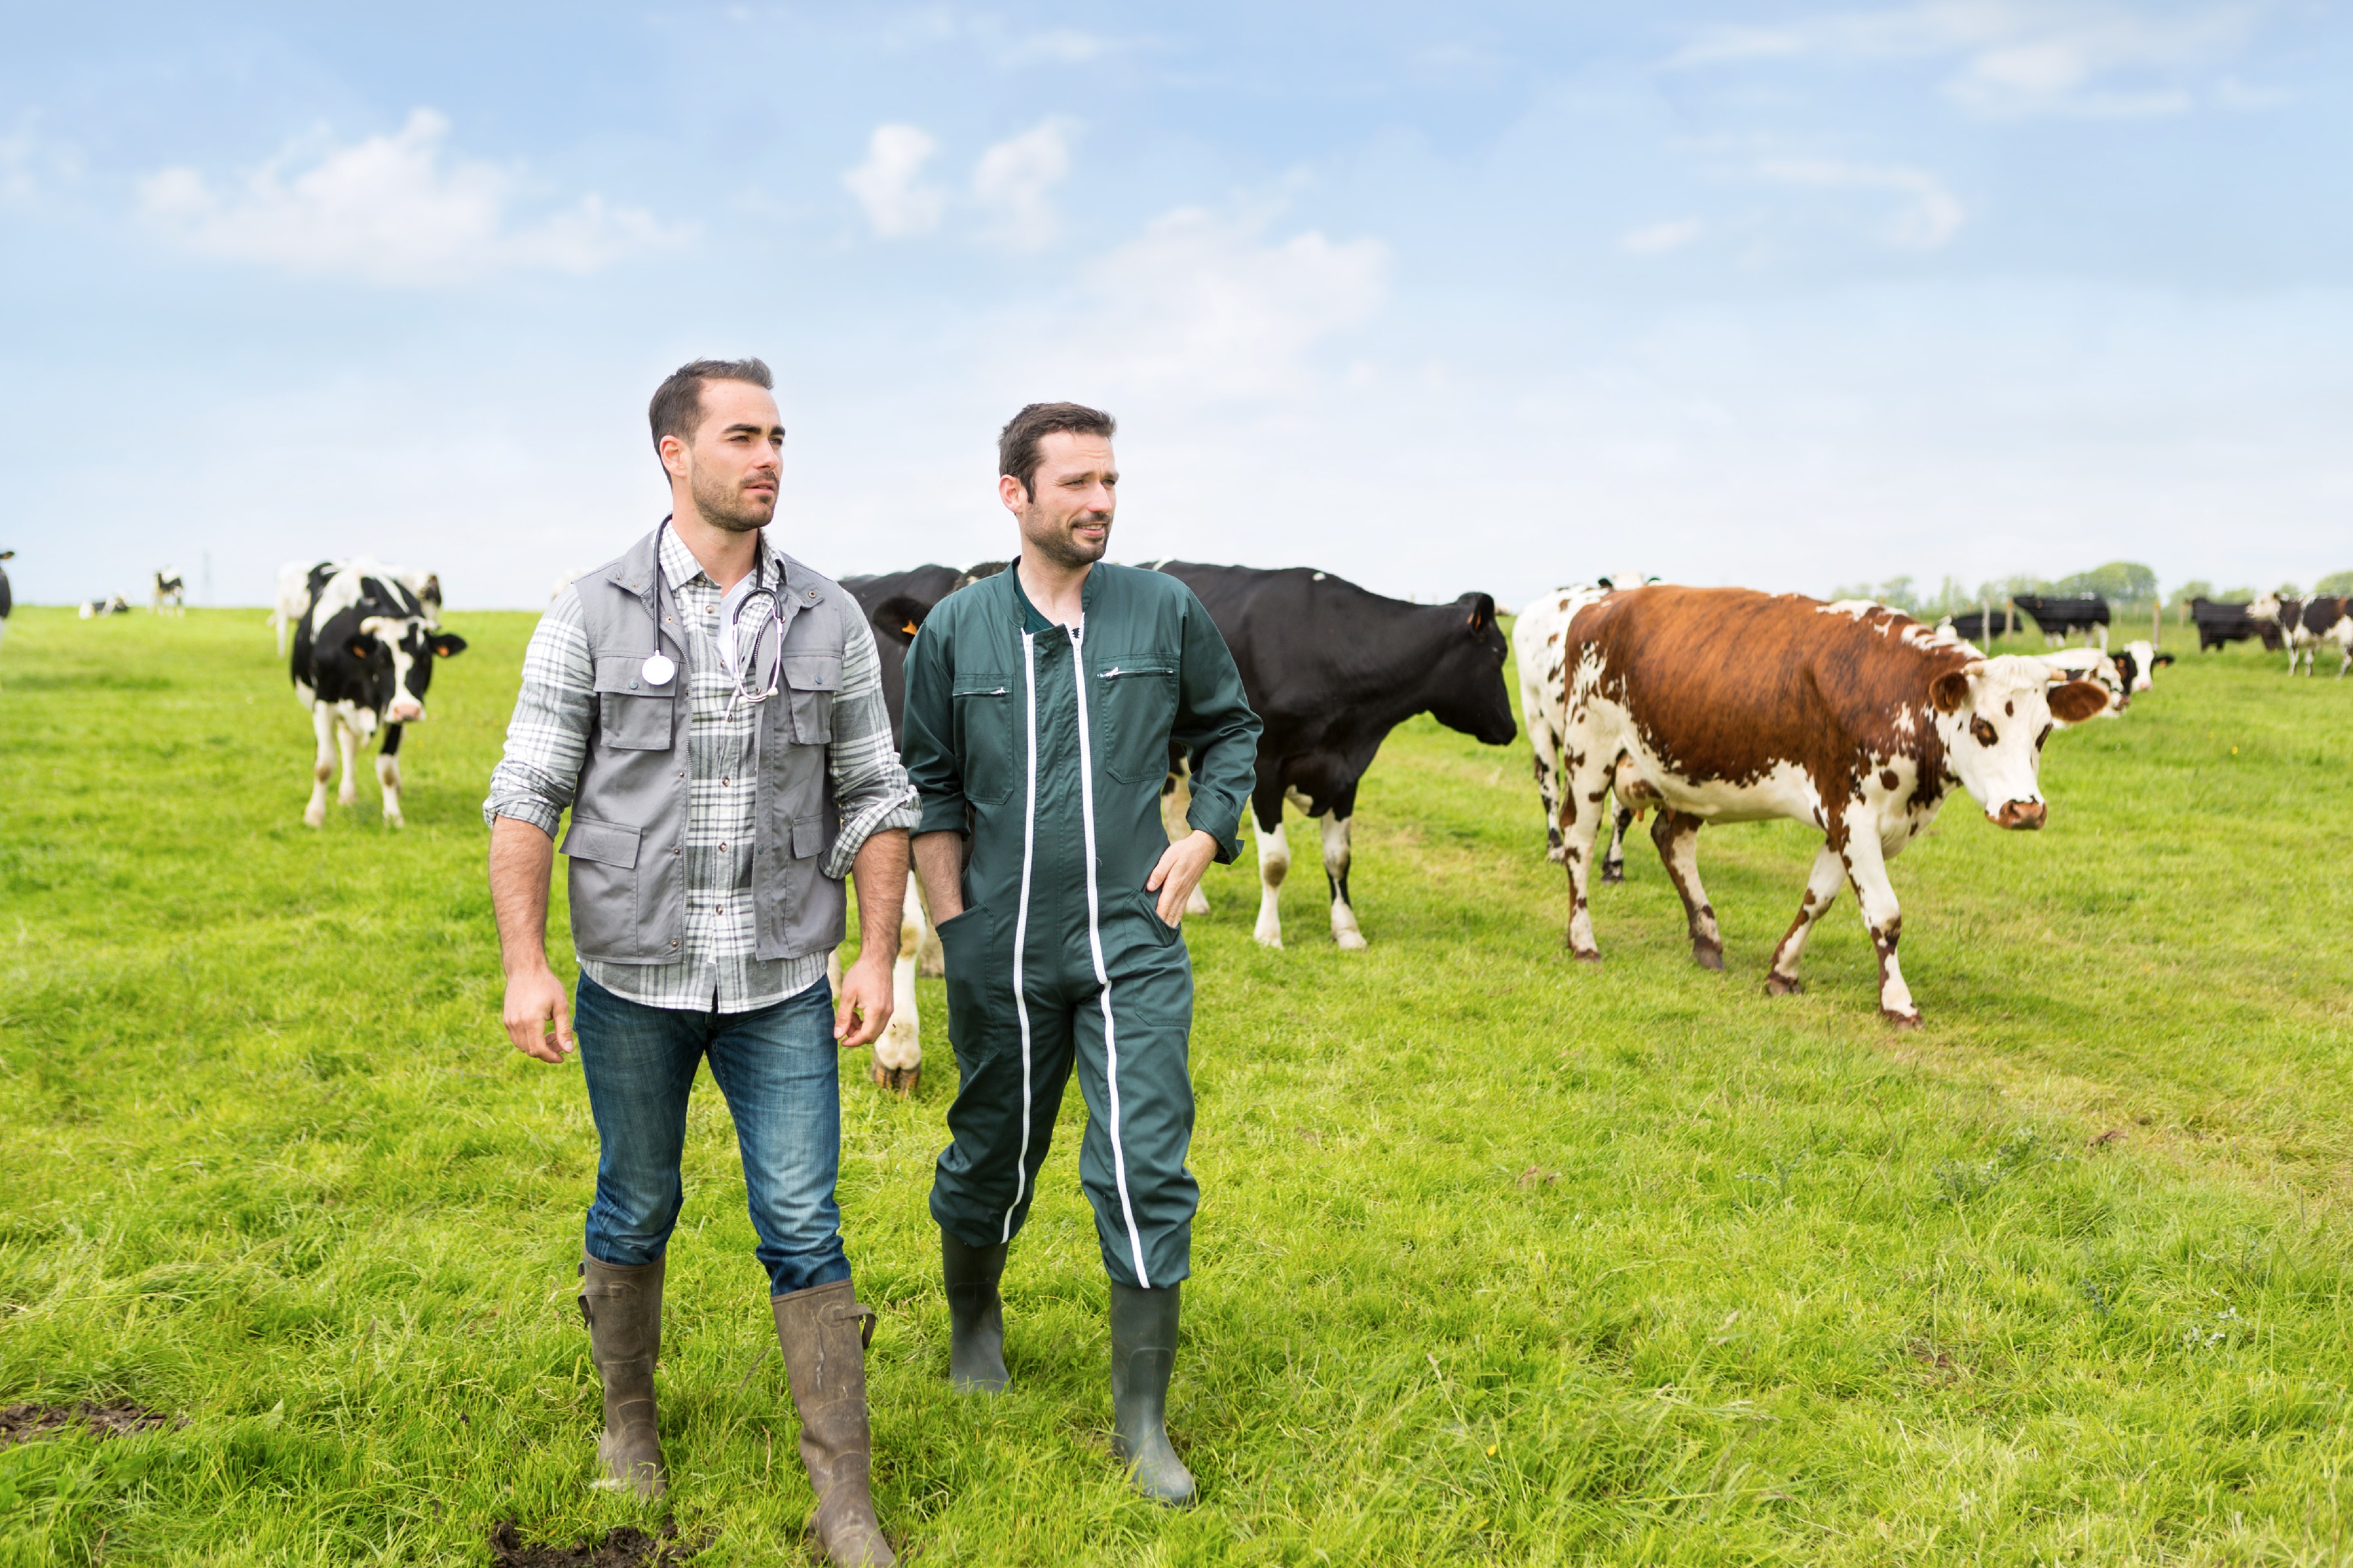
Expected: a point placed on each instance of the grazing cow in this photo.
(8, 596)
(2303, 625)
(1981, 625)
(94, 609)
(2090, 663)
(1724, 705)
(169, 591)
(364, 653)
(2062, 618)
(896, 603)
(1331, 669)
(2221, 623)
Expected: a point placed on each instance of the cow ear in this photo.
(2161, 658)
(447, 645)
(1950, 691)
(899, 617)
(2078, 700)
(1482, 611)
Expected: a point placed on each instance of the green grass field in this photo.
(1500, 1259)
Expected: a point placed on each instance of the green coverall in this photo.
(1048, 746)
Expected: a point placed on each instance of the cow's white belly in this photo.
(1783, 791)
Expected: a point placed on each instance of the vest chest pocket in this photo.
(632, 716)
(812, 681)
(984, 708)
(1134, 707)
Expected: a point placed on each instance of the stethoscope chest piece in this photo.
(659, 669)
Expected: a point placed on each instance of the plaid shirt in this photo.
(547, 742)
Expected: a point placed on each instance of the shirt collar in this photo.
(680, 566)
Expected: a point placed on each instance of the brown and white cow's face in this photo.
(1994, 715)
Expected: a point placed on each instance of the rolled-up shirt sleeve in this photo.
(547, 739)
(868, 784)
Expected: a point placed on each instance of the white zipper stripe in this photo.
(1095, 944)
(1021, 929)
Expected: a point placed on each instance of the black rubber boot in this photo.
(1142, 1353)
(976, 1315)
(622, 1308)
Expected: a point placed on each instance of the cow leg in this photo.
(1584, 785)
(1866, 867)
(1613, 863)
(1546, 763)
(387, 774)
(898, 1054)
(1175, 800)
(1822, 889)
(1336, 876)
(347, 788)
(930, 958)
(1677, 836)
(833, 976)
(1273, 865)
(322, 725)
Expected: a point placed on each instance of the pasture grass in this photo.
(1502, 1259)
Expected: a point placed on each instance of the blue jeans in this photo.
(777, 1066)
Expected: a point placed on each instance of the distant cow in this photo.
(1331, 669)
(294, 588)
(1981, 625)
(896, 603)
(170, 593)
(2305, 625)
(2062, 617)
(2220, 623)
(364, 652)
(94, 609)
(1724, 705)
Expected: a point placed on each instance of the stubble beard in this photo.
(1055, 541)
(723, 505)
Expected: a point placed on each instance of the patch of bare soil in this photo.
(23, 1423)
(627, 1547)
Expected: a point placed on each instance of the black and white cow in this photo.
(896, 603)
(2303, 625)
(97, 610)
(364, 653)
(170, 593)
(295, 580)
(2062, 618)
(2220, 623)
(2120, 677)
(1981, 625)
(1331, 669)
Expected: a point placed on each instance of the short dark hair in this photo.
(1016, 444)
(677, 407)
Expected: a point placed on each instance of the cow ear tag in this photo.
(659, 669)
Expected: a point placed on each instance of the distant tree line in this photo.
(2126, 584)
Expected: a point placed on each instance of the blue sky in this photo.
(1439, 298)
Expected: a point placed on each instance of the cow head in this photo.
(897, 618)
(1466, 682)
(2139, 659)
(1994, 715)
(397, 654)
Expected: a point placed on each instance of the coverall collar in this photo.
(1034, 623)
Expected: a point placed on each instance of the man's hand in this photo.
(534, 1000)
(1179, 872)
(867, 999)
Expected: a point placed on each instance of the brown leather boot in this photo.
(622, 1308)
(824, 1333)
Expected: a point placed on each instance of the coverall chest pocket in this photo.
(1134, 707)
(984, 708)
(813, 679)
(633, 715)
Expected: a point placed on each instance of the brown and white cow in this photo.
(1725, 705)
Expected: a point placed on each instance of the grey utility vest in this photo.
(628, 839)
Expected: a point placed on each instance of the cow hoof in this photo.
(315, 817)
(1783, 986)
(1198, 904)
(393, 821)
(1350, 940)
(900, 1081)
(1273, 942)
(1612, 875)
(1900, 1020)
(1593, 957)
(1707, 956)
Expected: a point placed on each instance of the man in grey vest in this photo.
(711, 712)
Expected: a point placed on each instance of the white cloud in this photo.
(889, 183)
(1204, 308)
(1013, 178)
(393, 210)
(2018, 57)
(31, 163)
(1657, 238)
(1929, 214)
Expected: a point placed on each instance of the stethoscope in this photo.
(735, 614)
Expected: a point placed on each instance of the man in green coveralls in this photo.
(1041, 704)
